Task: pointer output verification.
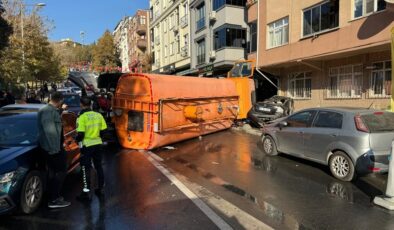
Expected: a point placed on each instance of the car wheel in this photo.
(269, 146)
(32, 192)
(341, 166)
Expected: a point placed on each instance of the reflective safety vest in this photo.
(91, 123)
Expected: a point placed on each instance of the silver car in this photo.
(349, 140)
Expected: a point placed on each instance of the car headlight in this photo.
(6, 181)
(7, 177)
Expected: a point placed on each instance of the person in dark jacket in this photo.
(51, 141)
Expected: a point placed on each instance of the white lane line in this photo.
(220, 223)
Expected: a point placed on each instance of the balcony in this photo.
(249, 3)
(184, 21)
(141, 43)
(141, 29)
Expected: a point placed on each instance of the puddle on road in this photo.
(271, 211)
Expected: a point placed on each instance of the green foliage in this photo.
(105, 53)
(5, 29)
(40, 62)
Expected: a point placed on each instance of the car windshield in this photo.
(71, 100)
(16, 131)
(379, 122)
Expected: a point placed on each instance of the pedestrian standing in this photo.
(90, 125)
(51, 141)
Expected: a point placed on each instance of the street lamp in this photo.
(22, 8)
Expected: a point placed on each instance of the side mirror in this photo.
(283, 124)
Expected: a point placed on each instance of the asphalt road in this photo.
(282, 191)
(227, 173)
(138, 196)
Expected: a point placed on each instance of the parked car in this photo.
(349, 140)
(22, 168)
(72, 100)
(270, 109)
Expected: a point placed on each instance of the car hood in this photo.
(7, 154)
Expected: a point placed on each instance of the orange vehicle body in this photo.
(156, 110)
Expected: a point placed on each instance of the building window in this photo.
(219, 3)
(170, 21)
(200, 16)
(201, 52)
(278, 33)
(165, 26)
(300, 85)
(365, 7)
(171, 48)
(345, 81)
(165, 50)
(185, 9)
(381, 79)
(253, 37)
(142, 20)
(321, 17)
(229, 37)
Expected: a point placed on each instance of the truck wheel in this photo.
(32, 192)
(269, 146)
(341, 166)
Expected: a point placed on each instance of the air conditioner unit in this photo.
(212, 54)
(212, 16)
(184, 53)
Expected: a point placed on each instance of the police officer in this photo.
(90, 126)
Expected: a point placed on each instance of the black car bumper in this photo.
(6, 204)
(372, 163)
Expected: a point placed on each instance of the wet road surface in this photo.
(138, 196)
(282, 191)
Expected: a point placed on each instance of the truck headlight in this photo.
(118, 112)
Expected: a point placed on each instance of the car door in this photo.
(325, 130)
(70, 145)
(290, 137)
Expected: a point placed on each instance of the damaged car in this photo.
(269, 110)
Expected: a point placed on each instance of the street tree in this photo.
(5, 29)
(32, 58)
(105, 53)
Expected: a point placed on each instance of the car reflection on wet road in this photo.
(283, 192)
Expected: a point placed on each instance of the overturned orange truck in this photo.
(156, 110)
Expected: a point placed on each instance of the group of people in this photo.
(90, 126)
(6, 98)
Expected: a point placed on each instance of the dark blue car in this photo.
(22, 163)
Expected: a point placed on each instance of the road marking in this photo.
(219, 222)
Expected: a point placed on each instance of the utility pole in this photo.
(82, 34)
(22, 11)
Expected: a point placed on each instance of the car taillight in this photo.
(360, 126)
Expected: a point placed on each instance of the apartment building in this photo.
(219, 35)
(121, 33)
(138, 41)
(170, 33)
(327, 53)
